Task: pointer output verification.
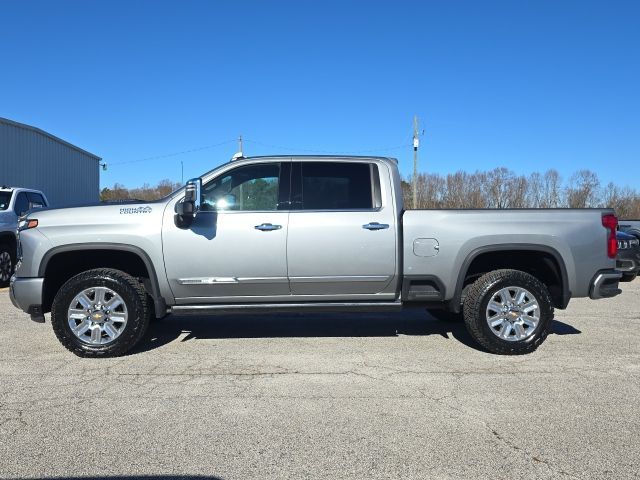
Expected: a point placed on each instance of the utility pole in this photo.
(416, 144)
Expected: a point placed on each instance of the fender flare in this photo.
(525, 247)
(154, 286)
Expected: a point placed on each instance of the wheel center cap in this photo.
(98, 316)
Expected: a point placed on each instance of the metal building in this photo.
(33, 158)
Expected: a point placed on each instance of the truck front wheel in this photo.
(100, 313)
(508, 312)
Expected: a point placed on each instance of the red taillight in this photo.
(610, 222)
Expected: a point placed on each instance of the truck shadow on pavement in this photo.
(135, 477)
(291, 325)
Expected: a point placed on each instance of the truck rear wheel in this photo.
(508, 312)
(7, 263)
(100, 313)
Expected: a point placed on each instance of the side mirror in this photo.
(187, 209)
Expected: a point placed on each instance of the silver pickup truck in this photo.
(303, 233)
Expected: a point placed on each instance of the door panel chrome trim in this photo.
(344, 278)
(227, 280)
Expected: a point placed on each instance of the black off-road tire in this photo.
(7, 250)
(131, 291)
(480, 294)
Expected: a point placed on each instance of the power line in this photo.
(158, 157)
(255, 142)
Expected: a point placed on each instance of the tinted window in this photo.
(336, 186)
(22, 204)
(5, 199)
(252, 187)
(35, 200)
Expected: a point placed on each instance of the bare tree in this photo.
(624, 201)
(583, 188)
(551, 189)
(518, 192)
(430, 190)
(534, 190)
(499, 183)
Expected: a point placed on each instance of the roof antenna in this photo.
(239, 154)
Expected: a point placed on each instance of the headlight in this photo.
(634, 243)
(623, 244)
(27, 224)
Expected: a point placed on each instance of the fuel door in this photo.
(426, 247)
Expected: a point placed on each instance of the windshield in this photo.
(5, 198)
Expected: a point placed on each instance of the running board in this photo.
(287, 307)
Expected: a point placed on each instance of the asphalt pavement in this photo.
(339, 396)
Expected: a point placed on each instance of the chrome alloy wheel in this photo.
(5, 267)
(97, 315)
(513, 313)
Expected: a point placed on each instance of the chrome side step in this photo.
(287, 307)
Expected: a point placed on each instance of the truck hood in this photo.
(105, 214)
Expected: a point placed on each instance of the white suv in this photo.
(14, 202)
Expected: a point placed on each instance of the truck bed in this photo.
(439, 246)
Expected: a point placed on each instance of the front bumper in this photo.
(605, 284)
(26, 294)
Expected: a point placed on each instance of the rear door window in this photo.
(333, 186)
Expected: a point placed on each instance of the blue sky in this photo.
(529, 85)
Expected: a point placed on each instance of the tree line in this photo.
(146, 192)
(502, 188)
(497, 188)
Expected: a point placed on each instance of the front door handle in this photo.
(267, 227)
(375, 226)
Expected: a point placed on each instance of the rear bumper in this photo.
(626, 265)
(605, 284)
(26, 294)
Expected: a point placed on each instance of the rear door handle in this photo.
(267, 227)
(375, 226)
